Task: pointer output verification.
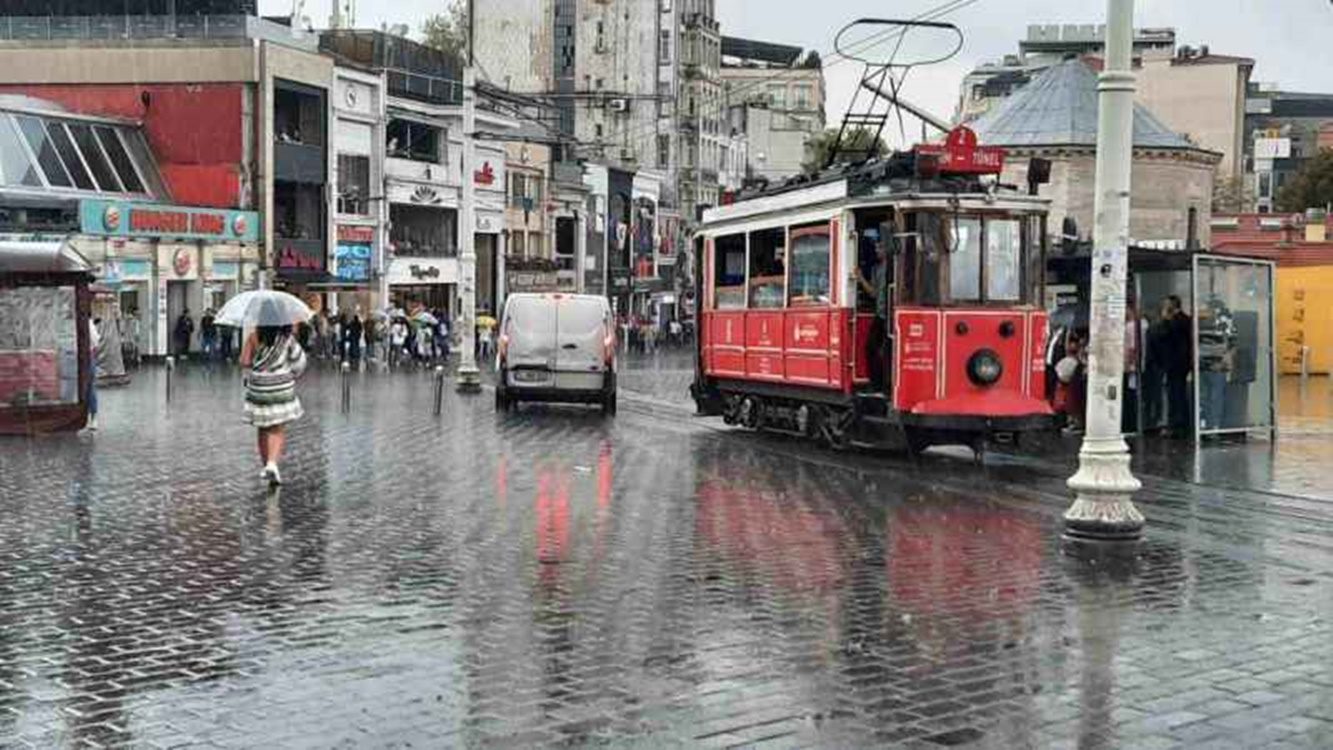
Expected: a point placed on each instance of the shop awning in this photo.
(41, 256)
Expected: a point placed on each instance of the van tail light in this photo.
(609, 347)
(503, 348)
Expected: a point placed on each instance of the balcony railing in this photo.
(407, 249)
(33, 28)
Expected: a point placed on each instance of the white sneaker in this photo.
(92, 424)
(271, 471)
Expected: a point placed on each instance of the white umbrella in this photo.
(264, 307)
(426, 318)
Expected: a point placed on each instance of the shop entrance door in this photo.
(176, 303)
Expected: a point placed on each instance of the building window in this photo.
(664, 47)
(298, 115)
(1265, 184)
(663, 150)
(802, 94)
(413, 140)
(516, 245)
(299, 211)
(353, 184)
(1192, 229)
(777, 94)
(423, 231)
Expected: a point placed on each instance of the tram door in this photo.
(874, 299)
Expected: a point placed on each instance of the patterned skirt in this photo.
(272, 415)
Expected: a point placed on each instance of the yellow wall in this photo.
(1305, 316)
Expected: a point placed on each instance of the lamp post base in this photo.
(1103, 508)
(468, 379)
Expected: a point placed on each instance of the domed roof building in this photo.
(1055, 117)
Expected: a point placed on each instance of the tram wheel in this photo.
(833, 428)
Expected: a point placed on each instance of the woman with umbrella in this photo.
(275, 360)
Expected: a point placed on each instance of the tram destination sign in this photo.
(960, 153)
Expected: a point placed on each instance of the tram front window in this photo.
(1002, 260)
(966, 259)
(964, 247)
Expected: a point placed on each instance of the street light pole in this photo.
(1103, 508)
(469, 377)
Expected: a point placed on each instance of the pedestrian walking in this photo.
(397, 341)
(275, 360)
(353, 335)
(1071, 390)
(94, 343)
(208, 334)
(184, 331)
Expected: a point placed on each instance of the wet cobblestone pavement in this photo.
(554, 578)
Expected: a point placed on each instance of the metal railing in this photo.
(33, 28)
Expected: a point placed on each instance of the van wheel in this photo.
(609, 404)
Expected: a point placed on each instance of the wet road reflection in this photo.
(551, 577)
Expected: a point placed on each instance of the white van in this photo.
(556, 347)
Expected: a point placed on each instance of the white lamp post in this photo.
(1103, 508)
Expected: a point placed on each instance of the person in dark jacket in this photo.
(1177, 361)
(184, 332)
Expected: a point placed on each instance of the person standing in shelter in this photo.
(1178, 355)
(275, 360)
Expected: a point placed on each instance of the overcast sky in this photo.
(1289, 39)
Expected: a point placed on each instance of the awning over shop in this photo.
(41, 256)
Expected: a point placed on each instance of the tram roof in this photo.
(879, 181)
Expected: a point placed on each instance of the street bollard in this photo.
(347, 387)
(439, 389)
(171, 367)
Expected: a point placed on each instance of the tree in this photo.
(1312, 187)
(855, 140)
(1232, 196)
(447, 31)
(812, 60)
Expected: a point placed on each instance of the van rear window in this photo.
(581, 316)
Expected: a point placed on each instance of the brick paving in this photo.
(656, 580)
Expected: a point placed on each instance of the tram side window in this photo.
(768, 267)
(1003, 269)
(729, 272)
(809, 286)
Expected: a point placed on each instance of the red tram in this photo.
(921, 260)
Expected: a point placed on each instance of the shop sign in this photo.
(423, 271)
(129, 219)
(225, 270)
(353, 261)
(182, 261)
(135, 269)
(356, 235)
(292, 258)
(532, 281)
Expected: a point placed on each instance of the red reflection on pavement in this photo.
(552, 512)
(774, 533)
(944, 560)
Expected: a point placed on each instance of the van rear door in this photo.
(583, 324)
(530, 326)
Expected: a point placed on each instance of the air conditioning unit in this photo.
(618, 105)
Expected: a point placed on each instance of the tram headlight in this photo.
(984, 367)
